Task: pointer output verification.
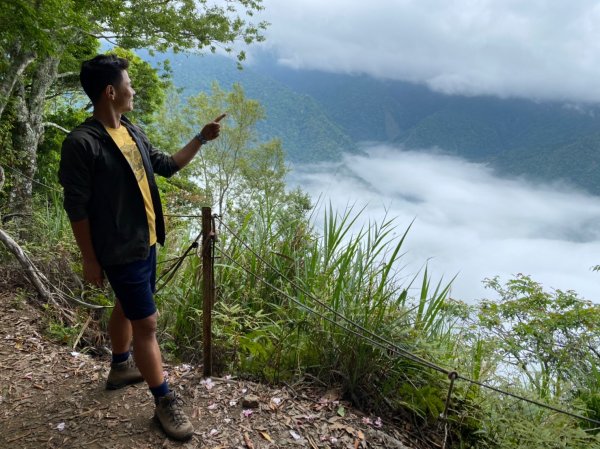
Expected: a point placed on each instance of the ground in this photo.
(54, 397)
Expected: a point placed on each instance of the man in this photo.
(107, 170)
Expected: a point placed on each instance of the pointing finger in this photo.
(220, 117)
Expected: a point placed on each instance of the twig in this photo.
(18, 437)
(248, 441)
(82, 331)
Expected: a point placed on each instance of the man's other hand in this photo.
(92, 273)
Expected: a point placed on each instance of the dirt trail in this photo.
(52, 397)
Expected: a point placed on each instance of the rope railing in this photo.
(377, 340)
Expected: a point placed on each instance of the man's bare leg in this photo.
(119, 330)
(146, 350)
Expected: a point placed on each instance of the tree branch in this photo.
(66, 74)
(30, 270)
(54, 125)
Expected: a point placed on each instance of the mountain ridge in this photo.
(320, 115)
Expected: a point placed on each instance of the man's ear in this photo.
(109, 91)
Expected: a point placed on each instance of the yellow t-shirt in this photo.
(130, 150)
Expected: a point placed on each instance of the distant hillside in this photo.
(308, 134)
(547, 141)
(320, 115)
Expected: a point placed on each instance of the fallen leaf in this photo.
(341, 411)
(361, 435)
(267, 437)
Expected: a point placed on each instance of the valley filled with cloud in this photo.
(467, 221)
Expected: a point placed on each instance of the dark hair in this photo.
(99, 72)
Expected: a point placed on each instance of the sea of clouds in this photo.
(468, 221)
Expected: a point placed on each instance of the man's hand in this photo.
(92, 273)
(211, 130)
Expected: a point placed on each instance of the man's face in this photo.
(123, 94)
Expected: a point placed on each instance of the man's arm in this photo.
(92, 271)
(209, 132)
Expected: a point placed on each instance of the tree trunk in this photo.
(19, 59)
(28, 131)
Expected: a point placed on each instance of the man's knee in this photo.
(144, 328)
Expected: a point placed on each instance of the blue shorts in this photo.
(134, 285)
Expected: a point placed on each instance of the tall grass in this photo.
(348, 271)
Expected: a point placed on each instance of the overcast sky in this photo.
(468, 221)
(541, 49)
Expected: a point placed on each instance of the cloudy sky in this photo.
(541, 49)
(468, 222)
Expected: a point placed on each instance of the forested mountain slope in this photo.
(320, 115)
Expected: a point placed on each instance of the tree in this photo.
(236, 169)
(549, 337)
(38, 37)
(235, 172)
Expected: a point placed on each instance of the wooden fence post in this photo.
(208, 290)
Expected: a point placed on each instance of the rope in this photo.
(390, 347)
(62, 294)
(182, 216)
(370, 333)
(378, 340)
(54, 189)
(170, 273)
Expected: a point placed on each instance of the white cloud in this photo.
(544, 49)
(469, 221)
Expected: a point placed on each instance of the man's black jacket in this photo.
(100, 185)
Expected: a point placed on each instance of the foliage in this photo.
(235, 171)
(305, 128)
(545, 336)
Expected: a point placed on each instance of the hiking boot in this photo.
(169, 413)
(123, 374)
